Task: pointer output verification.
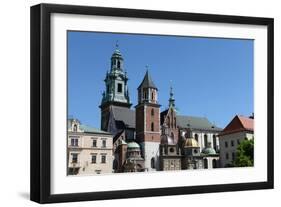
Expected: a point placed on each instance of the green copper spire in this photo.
(171, 99)
(116, 80)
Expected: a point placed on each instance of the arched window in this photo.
(205, 163)
(175, 122)
(214, 162)
(152, 162)
(75, 128)
(144, 94)
(168, 118)
(196, 137)
(152, 126)
(118, 64)
(152, 95)
(152, 112)
(205, 140)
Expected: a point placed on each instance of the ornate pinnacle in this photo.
(171, 99)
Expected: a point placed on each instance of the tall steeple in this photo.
(169, 117)
(171, 99)
(147, 91)
(148, 121)
(116, 88)
(116, 81)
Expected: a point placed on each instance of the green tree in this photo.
(245, 154)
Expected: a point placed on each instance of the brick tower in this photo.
(148, 122)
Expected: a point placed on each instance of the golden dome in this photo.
(190, 142)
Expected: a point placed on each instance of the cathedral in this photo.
(146, 139)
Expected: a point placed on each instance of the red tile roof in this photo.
(238, 124)
(248, 123)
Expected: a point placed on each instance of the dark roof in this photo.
(194, 122)
(147, 82)
(117, 135)
(238, 124)
(162, 116)
(124, 117)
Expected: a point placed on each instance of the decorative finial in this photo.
(116, 44)
(146, 66)
(171, 89)
(171, 99)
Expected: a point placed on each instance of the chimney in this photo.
(252, 116)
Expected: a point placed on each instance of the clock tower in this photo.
(116, 92)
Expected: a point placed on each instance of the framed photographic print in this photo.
(132, 103)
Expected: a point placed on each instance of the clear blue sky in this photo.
(211, 77)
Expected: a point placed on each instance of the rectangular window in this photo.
(119, 87)
(74, 142)
(152, 126)
(238, 141)
(232, 143)
(226, 144)
(233, 155)
(94, 143)
(103, 143)
(98, 171)
(103, 159)
(226, 156)
(94, 158)
(74, 157)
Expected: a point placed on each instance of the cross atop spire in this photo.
(171, 89)
(146, 67)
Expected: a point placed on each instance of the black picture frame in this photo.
(41, 98)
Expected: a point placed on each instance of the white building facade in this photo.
(239, 129)
(89, 150)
